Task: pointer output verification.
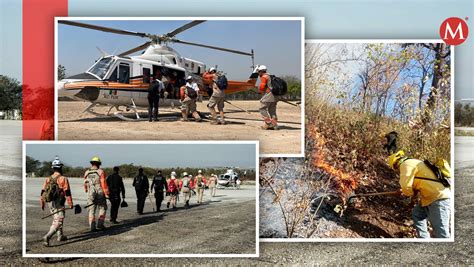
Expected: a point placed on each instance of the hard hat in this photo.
(199, 171)
(96, 159)
(173, 173)
(212, 69)
(393, 159)
(185, 174)
(56, 163)
(77, 209)
(124, 204)
(189, 78)
(261, 67)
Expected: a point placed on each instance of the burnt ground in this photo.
(370, 217)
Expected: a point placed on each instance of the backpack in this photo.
(172, 186)
(279, 86)
(93, 179)
(199, 181)
(52, 190)
(441, 170)
(191, 93)
(222, 82)
(186, 182)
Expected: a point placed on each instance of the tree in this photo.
(294, 86)
(31, 164)
(61, 72)
(10, 93)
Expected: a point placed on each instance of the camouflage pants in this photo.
(58, 220)
(186, 193)
(268, 106)
(200, 193)
(100, 204)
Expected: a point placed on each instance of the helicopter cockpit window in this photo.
(101, 67)
(124, 73)
(113, 76)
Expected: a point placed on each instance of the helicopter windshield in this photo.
(101, 67)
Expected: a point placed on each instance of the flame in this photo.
(341, 182)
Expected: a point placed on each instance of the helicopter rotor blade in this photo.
(102, 28)
(136, 49)
(214, 47)
(184, 27)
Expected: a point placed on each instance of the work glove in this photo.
(42, 203)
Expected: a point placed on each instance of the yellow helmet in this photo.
(96, 159)
(393, 159)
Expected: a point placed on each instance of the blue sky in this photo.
(155, 155)
(325, 19)
(277, 44)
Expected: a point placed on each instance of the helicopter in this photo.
(229, 179)
(123, 80)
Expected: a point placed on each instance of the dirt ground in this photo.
(73, 124)
(224, 224)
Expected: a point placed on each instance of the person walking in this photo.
(200, 184)
(154, 90)
(212, 184)
(268, 102)
(116, 187)
(185, 189)
(95, 185)
(141, 184)
(56, 191)
(159, 185)
(173, 191)
(217, 98)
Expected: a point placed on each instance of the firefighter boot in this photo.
(61, 236)
(267, 124)
(196, 117)
(48, 236)
(274, 123)
(185, 116)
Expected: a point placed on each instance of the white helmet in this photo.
(212, 69)
(189, 78)
(56, 163)
(199, 171)
(262, 67)
(185, 174)
(173, 173)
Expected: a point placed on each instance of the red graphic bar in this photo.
(38, 66)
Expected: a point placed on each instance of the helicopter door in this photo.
(124, 73)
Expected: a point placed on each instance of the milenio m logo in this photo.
(454, 31)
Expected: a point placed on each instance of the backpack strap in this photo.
(428, 179)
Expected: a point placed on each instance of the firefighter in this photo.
(141, 184)
(160, 186)
(184, 187)
(154, 90)
(189, 93)
(418, 180)
(173, 191)
(200, 184)
(56, 196)
(212, 183)
(268, 102)
(115, 184)
(217, 98)
(95, 185)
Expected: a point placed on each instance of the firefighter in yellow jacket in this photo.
(418, 179)
(56, 191)
(95, 185)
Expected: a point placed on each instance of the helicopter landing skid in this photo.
(90, 110)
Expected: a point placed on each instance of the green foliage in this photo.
(43, 169)
(61, 72)
(463, 115)
(10, 93)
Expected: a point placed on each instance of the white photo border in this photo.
(101, 255)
